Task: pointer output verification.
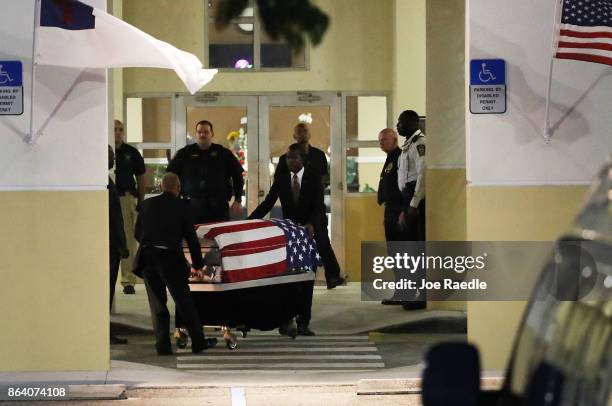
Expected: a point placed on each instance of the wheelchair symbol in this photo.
(485, 75)
(4, 77)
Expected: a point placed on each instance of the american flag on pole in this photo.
(586, 31)
(255, 249)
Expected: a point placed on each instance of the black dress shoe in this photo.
(305, 331)
(335, 282)
(414, 305)
(117, 340)
(128, 290)
(208, 343)
(288, 329)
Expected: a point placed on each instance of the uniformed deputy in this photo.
(129, 176)
(411, 176)
(390, 195)
(388, 191)
(210, 175)
(411, 183)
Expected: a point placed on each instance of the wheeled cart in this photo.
(261, 304)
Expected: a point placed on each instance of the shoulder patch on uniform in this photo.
(421, 149)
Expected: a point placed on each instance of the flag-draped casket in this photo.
(256, 249)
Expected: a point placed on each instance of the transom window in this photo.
(244, 44)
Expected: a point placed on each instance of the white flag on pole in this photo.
(71, 33)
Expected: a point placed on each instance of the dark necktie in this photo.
(295, 189)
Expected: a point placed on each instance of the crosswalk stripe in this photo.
(246, 343)
(295, 349)
(267, 357)
(258, 337)
(282, 371)
(291, 365)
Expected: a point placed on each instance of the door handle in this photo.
(261, 193)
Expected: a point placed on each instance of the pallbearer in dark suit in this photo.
(301, 194)
(163, 222)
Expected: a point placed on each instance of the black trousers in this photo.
(162, 270)
(328, 257)
(415, 225)
(305, 304)
(413, 231)
(114, 262)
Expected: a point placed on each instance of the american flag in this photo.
(255, 249)
(586, 31)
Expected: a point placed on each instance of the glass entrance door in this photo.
(259, 129)
(278, 116)
(234, 119)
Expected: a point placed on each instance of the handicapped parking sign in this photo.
(487, 86)
(11, 88)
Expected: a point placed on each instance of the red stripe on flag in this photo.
(582, 34)
(586, 45)
(237, 228)
(257, 272)
(254, 247)
(584, 57)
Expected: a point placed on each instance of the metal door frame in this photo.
(334, 101)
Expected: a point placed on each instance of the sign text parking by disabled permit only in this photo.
(11, 88)
(487, 86)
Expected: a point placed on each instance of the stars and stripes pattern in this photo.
(586, 31)
(255, 249)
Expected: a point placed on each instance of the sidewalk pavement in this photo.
(338, 311)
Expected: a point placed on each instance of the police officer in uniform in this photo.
(129, 175)
(411, 183)
(117, 247)
(390, 195)
(210, 175)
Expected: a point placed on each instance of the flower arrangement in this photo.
(238, 145)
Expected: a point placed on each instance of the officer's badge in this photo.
(421, 149)
(213, 154)
(389, 167)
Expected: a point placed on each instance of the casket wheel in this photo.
(181, 339)
(231, 344)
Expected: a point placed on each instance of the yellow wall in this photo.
(54, 271)
(408, 56)
(446, 215)
(526, 213)
(363, 222)
(355, 54)
(446, 177)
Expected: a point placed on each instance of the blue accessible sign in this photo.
(11, 88)
(487, 86)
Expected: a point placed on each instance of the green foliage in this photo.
(291, 20)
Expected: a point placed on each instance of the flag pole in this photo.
(547, 132)
(31, 137)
